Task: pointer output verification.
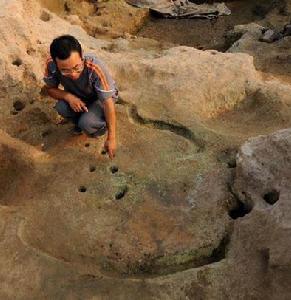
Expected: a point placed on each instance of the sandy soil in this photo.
(83, 229)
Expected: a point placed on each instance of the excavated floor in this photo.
(163, 207)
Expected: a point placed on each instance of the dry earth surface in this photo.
(196, 204)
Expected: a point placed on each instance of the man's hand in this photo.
(110, 147)
(76, 103)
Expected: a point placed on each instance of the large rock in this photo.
(263, 170)
(257, 264)
(260, 243)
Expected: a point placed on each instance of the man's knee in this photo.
(64, 109)
(91, 125)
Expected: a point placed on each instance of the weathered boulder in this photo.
(261, 240)
(263, 171)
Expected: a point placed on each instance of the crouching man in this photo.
(89, 94)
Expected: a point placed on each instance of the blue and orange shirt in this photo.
(95, 81)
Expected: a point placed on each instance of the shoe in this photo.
(287, 30)
(76, 130)
(101, 131)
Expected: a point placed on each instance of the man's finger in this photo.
(79, 107)
(84, 107)
(110, 153)
(113, 152)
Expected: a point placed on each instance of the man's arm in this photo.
(106, 91)
(57, 93)
(75, 103)
(109, 110)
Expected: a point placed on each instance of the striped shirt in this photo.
(95, 81)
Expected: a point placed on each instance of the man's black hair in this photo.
(63, 46)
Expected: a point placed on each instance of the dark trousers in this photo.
(93, 122)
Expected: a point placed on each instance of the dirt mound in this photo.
(99, 18)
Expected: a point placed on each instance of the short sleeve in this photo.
(50, 74)
(103, 83)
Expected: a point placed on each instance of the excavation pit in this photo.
(82, 189)
(272, 197)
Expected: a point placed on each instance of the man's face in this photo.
(72, 66)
